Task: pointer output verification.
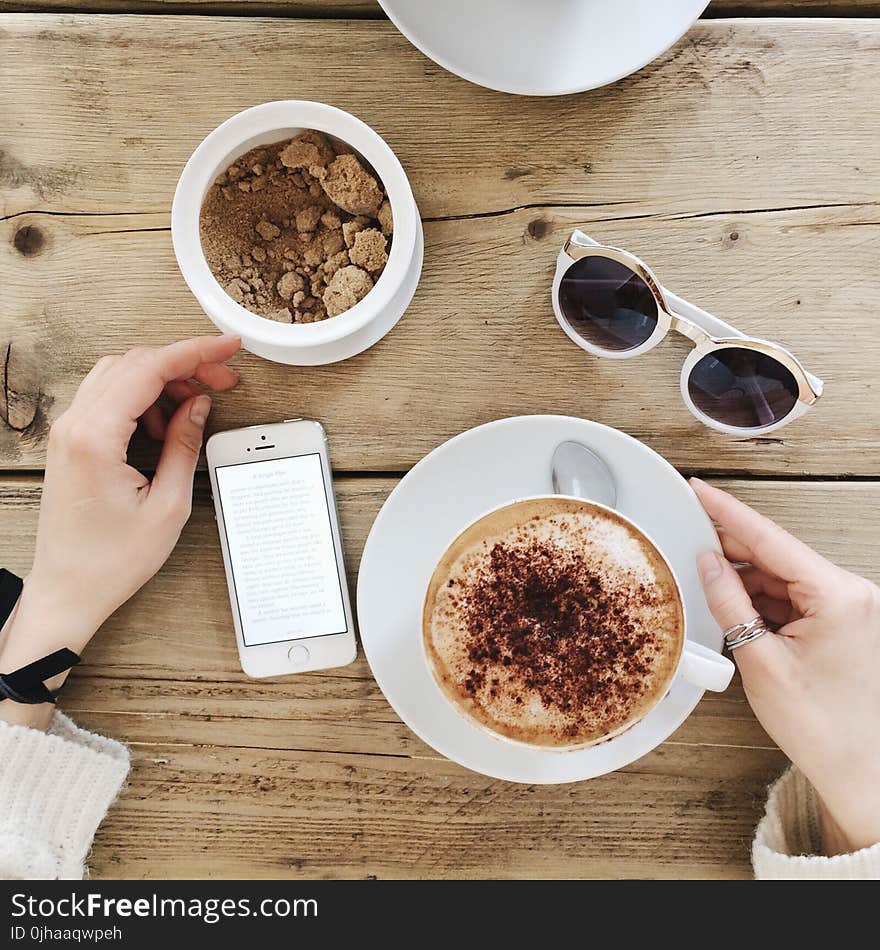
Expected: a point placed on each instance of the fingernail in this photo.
(710, 564)
(198, 412)
(697, 483)
(230, 337)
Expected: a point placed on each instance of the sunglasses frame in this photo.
(706, 332)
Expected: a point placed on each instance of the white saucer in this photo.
(543, 47)
(458, 481)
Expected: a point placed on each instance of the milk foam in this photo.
(518, 696)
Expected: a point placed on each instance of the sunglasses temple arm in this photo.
(719, 329)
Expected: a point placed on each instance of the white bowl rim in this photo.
(202, 168)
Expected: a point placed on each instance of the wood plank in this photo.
(345, 788)
(243, 813)
(683, 135)
(432, 376)
(305, 9)
(88, 171)
(793, 8)
(331, 9)
(341, 9)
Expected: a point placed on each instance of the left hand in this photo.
(105, 528)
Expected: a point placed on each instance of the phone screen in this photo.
(286, 579)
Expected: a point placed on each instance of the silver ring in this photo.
(741, 633)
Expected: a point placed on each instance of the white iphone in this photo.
(276, 514)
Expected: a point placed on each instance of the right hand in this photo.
(815, 683)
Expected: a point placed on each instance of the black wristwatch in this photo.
(27, 685)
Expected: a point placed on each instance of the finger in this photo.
(734, 550)
(179, 390)
(757, 582)
(154, 422)
(769, 595)
(171, 488)
(730, 604)
(95, 380)
(727, 598)
(139, 377)
(217, 376)
(779, 612)
(769, 546)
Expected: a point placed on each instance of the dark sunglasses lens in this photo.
(607, 304)
(742, 388)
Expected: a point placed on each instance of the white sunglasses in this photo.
(611, 304)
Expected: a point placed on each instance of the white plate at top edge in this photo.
(543, 47)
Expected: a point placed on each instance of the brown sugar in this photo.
(350, 185)
(290, 284)
(386, 221)
(351, 228)
(280, 229)
(368, 250)
(347, 286)
(307, 149)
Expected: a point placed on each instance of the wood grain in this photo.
(341, 9)
(737, 116)
(471, 349)
(314, 776)
(793, 8)
(775, 238)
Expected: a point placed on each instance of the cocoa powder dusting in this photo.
(543, 623)
(543, 613)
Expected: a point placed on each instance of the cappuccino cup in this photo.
(557, 623)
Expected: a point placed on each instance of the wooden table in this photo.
(743, 165)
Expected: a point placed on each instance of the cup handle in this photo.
(705, 668)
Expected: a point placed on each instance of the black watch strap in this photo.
(10, 590)
(27, 685)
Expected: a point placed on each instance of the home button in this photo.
(298, 654)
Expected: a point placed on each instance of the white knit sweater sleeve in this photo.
(787, 840)
(55, 788)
